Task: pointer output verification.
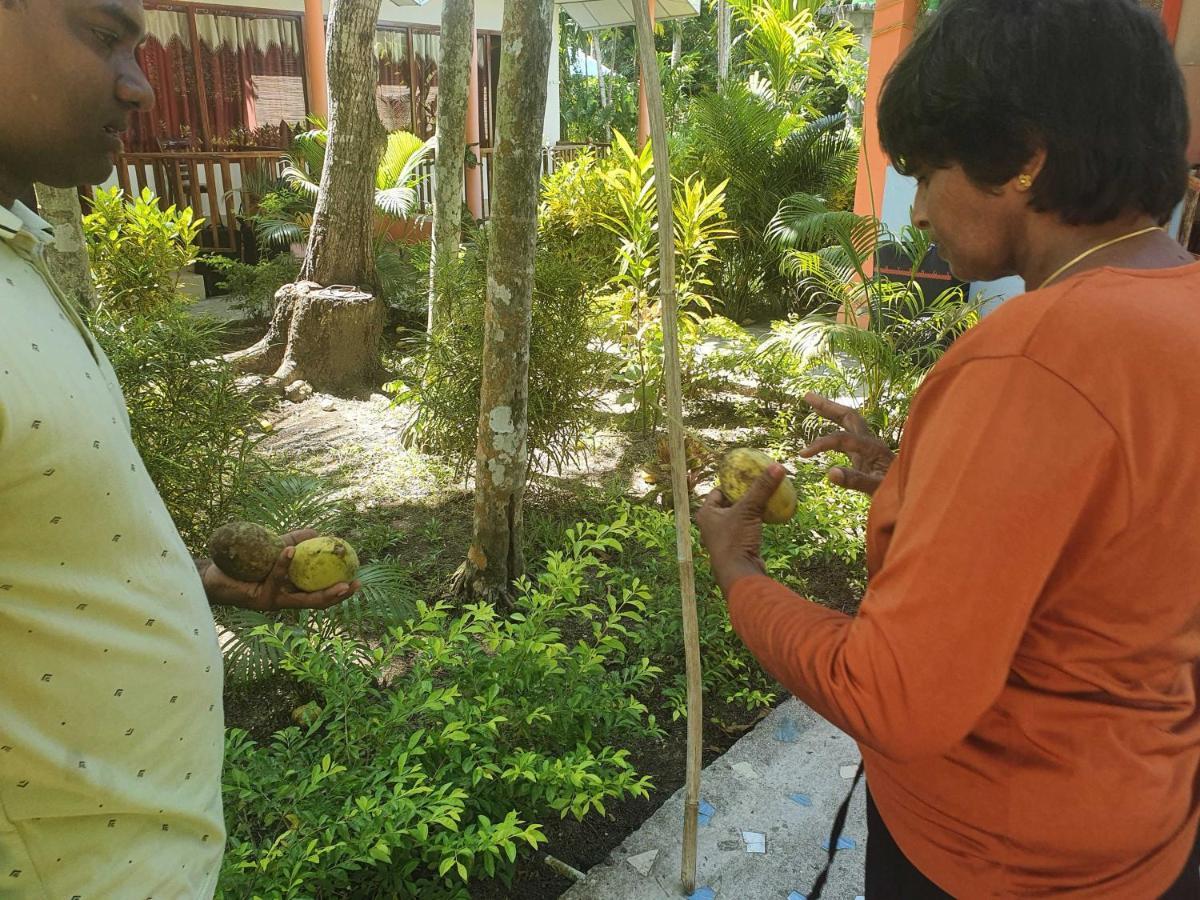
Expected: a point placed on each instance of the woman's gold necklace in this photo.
(1086, 253)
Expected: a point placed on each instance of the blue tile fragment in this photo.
(787, 731)
(844, 843)
(796, 895)
(800, 799)
(706, 812)
(704, 893)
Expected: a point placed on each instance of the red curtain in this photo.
(175, 118)
(252, 89)
(253, 86)
(488, 50)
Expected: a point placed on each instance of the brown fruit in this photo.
(245, 551)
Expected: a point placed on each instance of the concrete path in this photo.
(773, 798)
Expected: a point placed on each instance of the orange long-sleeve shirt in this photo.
(1022, 674)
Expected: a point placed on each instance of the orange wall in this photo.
(892, 32)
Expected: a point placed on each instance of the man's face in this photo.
(69, 82)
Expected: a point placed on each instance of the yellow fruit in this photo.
(245, 551)
(741, 468)
(322, 562)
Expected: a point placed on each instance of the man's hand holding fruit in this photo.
(254, 568)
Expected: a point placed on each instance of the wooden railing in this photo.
(212, 183)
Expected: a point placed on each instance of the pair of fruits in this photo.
(248, 552)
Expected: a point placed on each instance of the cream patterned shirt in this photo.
(110, 676)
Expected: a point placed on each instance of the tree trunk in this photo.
(676, 45)
(315, 336)
(68, 257)
(340, 245)
(598, 55)
(454, 81)
(502, 459)
(329, 336)
(724, 28)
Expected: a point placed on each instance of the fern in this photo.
(884, 334)
(290, 502)
(387, 597)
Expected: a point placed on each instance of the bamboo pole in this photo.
(679, 475)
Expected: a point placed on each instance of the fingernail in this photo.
(775, 470)
(836, 476)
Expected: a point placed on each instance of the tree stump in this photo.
(327, 336)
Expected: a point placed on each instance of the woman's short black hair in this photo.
(1094, 82)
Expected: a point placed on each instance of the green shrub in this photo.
(828, 531)
(633, 304)
(194, 430)
(252, 288)
(439, 747)
(442, 379)
(577, 202)
(765, 153)
(137, 250)
(404, 279)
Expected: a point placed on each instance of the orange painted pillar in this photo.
(314, 59)
(892, 32)
(474, 175)
(643, 106)
(1171, 12)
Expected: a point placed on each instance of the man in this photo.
(110, 704)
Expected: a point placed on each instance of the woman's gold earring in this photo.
(1026, 182)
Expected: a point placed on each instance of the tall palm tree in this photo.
(766, 153)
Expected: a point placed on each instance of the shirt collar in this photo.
(22, 220)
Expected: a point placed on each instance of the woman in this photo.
(1022, 674)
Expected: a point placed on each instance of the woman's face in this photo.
(975, 228)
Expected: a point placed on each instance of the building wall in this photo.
(1187, 50)
(489, 16)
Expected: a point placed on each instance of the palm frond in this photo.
(247, 656)
(290, 502)
(388, 595)
(820, 158)
(404, 152)
(279, 232)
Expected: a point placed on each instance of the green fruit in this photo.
(245, 551)
(322, 562)
(307, 714)
(741, 468)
